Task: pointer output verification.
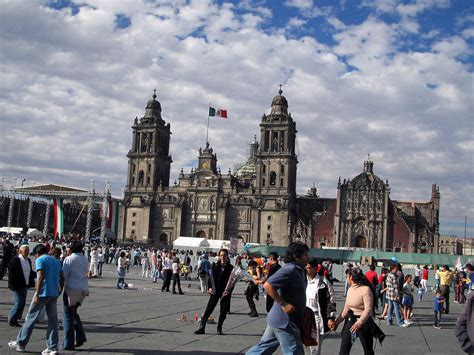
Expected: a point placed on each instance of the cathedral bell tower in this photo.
(149, 165)
(276, 174)
(276, 159)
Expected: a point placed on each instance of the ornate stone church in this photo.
(258, 202)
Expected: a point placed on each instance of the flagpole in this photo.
(207, 131)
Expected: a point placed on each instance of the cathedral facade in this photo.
(258, 202)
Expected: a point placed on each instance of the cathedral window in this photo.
(264, 168)
(267, 140)
(133, 180)
(263, 182)
(281, 182)
(144, 142)
(149, 167)
(148, 180)
(273, 177)
(134, 214)
(141, 176)
(150, 143)
(275, 142)
(133, 223)
(134, 167)
(282, 169)
(269, 218)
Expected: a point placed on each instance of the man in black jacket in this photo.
(8, 254)
(20, 277)
(219, 276)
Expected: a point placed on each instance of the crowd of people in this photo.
(290, 289)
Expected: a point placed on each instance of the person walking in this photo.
(176, 280)
(122, 264)
(407, 300)
(464, 330)
(219, 277)
(424, 278)
(145, 261)
(252, 287)
(357, 313)
(288, 288)
(76, 289)
(8, 254)
(445, 280)
(49, 286)
(417, 279)
(273, 267)
(438, 308)
(204, 266)
(20, 277)
(94, 267)
(393, 297)
(321, 299)
(167, 271)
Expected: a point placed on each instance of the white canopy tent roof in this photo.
(190, 242)
(216, 244)
(18, 230)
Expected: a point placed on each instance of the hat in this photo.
(394, 259)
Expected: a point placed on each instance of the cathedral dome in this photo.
(279, 104)
(153, 104)
(367, 177)
(152, 110)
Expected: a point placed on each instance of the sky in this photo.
(389, 78)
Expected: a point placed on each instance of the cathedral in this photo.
(258, 202)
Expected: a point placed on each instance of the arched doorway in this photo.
(164, 238)
(360, 242)
(201, 234)
(424, 251)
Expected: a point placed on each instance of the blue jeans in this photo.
(393, 305)
(52, 332)
(289, 339)
(72, 325)
(19, 297)
(346, 287)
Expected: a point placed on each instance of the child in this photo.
(407, 300)
(438, 307)
(421, 292)
(145, 265)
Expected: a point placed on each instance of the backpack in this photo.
(201, 271)
(309, 330)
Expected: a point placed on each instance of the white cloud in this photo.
(70, 87)
(300, 4)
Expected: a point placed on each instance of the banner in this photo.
(58, 217)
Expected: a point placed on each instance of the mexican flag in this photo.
(58, 217)
(217, 112)
(112, 218)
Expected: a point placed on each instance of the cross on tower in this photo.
(280, 91)
(154, 93)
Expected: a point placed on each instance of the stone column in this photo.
(10, 211)
(46, 219)
(30, 212)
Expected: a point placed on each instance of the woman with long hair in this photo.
(357, 313)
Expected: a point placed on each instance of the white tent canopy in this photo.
(216, 244)
(190, 242)
(18, 230)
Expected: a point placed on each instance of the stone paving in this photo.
(145, 321)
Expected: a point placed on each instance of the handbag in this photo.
(309, 330)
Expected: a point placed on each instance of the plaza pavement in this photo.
(145, 321)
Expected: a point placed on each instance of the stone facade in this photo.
(257, 203)
(363, 216)
(450, 244)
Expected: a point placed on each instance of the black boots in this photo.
(219, 330)
(201, 330)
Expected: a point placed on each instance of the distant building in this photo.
(363, 216)
(450, 244)
(258, 203)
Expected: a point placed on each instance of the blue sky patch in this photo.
(122, 21)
